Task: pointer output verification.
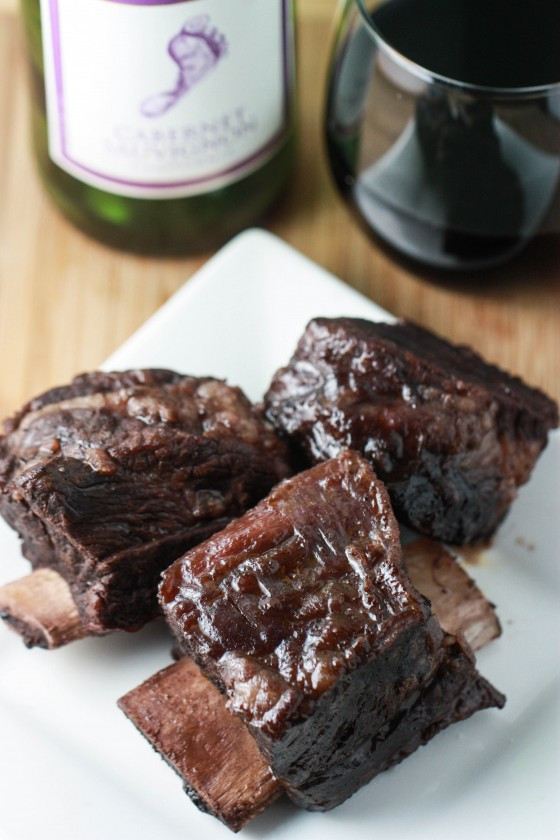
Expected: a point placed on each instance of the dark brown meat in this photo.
(111, 478)
(185, 717)
(302, 612)
(451, 436)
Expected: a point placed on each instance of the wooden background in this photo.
(67, 302)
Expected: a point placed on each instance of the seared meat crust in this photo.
(451, 436)
(111, 478)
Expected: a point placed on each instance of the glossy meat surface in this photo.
(451, 436)
(111, 478)
(186, 718)
(301, 611)
(300, 590)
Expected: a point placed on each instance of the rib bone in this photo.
(185, 718)
(458, 603)
(41, 609)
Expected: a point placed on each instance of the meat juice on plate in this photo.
(443, 125)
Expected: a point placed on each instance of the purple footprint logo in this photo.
(196, 49)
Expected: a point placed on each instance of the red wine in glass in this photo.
(443, 124)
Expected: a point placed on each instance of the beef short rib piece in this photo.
(451, 436)
(111, 478)
(185, 717)
(302, 613)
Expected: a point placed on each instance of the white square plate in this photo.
(72, 767)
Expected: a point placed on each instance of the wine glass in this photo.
(441, 138)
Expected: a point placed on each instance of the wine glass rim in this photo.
(429, 76)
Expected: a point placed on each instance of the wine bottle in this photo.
(162, 126)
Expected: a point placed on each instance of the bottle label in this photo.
(159, 98)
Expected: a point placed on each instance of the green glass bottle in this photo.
(162, 126)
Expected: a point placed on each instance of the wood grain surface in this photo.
(67, 302)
